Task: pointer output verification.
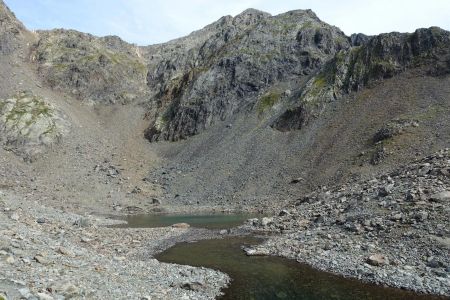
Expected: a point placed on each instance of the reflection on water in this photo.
(275, 278)
(214, 221)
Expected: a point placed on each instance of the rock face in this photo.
(240, 61)
(237, 65)
(28, 124)
(96, 70)
(246, 60)
(11, 30)
(371, 60)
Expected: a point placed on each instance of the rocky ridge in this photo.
(249, 54)
(390, 229)
(377, 58)
(95, 70)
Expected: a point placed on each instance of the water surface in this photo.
(270, 278)
(210, 221)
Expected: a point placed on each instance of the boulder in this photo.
(29, 124)
(266, 221)
(377, 260)
(181, 225)
(441, 197)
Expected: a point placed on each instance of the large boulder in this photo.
(29, 124)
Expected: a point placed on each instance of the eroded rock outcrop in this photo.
(29, 124)
(97, 70)
(371, 60)
(11, 30)
(240, 60)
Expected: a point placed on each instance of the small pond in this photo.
(260, 277)
(275, 278)
(210, 221)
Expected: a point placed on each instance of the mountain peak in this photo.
(250, 16)
(254, 11)
(300, 13)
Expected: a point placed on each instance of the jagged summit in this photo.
(301, 13)
(250, 16)
(254, 11)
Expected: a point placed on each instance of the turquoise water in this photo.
(275, 278)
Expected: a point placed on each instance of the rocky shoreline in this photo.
(391, 230)
(50, 254)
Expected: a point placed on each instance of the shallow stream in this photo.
(261, 277)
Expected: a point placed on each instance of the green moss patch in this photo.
(268, 101)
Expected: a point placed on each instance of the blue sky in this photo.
(154, 21)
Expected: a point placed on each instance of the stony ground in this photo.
(49, 254)
(391, 230)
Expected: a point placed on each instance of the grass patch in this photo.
(431, 113)
(268, 101)
(32, 107)
(320, 81)
(308, 25)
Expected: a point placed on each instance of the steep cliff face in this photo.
(98, 70)
(228, 72)
(255, 61)
(373, 60)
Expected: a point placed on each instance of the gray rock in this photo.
(25, 293)
(66, 289)
(29, 125)
(266, 221)
(434, 263)
(156, 201)
(42, 260)
(65, 251)
(376, 59)
(40, 220)
(83, 222)
(181, 225)
(192, 286)
(377, 260)
(44, 296)
(441, 197)
(297, 180)
(384, 190)
(421, 216)
(284, 212)
(15, 217)
(392, 129)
